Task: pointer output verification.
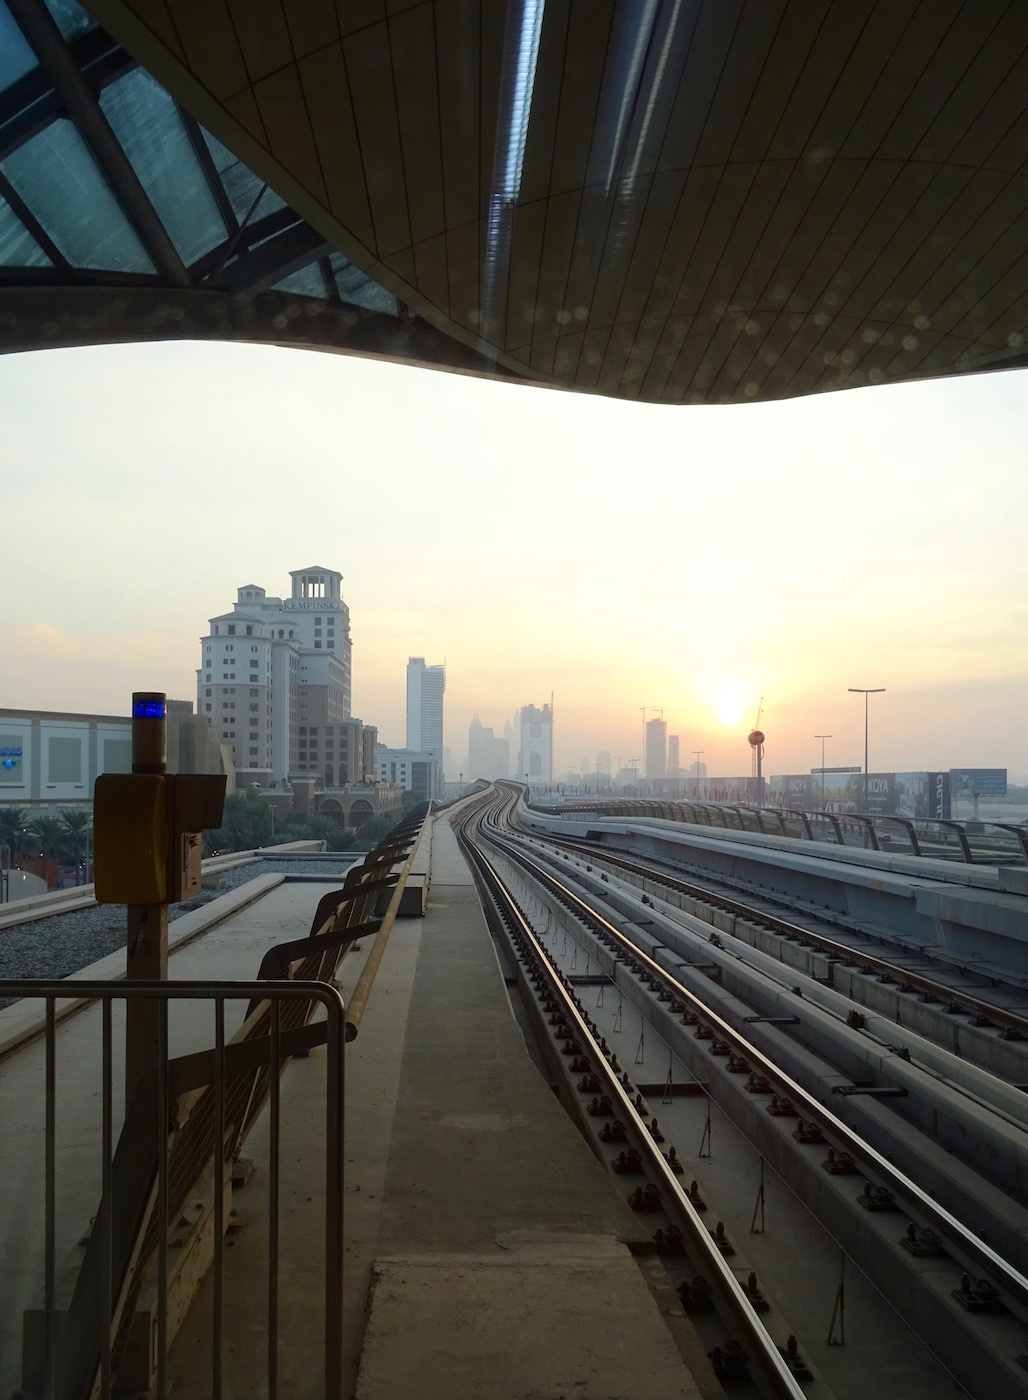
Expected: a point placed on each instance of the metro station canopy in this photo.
(679, 201)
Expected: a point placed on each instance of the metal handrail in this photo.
(139, 1181)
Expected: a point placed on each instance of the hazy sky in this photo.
(618, 555)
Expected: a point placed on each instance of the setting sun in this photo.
(728, 705)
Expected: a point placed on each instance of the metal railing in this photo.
(182, 1127)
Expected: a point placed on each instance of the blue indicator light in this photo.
(149, 709)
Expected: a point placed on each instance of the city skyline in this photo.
(863, 539)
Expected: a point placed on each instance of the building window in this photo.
(208, 692)
(318, 645)
(303, 729)
(249, 632)
(254, 705)
(208, 705)
(253, 692)
(254, 735)
(232, 629)
(253, 750)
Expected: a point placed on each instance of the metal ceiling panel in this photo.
(326, 96)
(369, 67)
(412, 34)
(312, 25)
(285, 116)
(209, 39)
(830, 207)
(430, 271)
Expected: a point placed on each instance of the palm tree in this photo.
(13, 821)
(76, 825)
(50, 836)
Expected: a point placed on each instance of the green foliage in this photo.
(13, 821)
(76, 825)
(247, 822)
(50, 837)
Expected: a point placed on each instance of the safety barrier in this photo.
(165, 1188)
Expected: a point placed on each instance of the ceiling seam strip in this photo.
(303, 92)
(628, 388)
(442, 163)
(556, 336)
(612, 205)
(82, 106)
(700, 130)
(530, 358)
(905, 164)
(403, 156)
(685, 172)
(834, 161)
(360, 147)
(249, 88)
(777, 204)
(939, 166)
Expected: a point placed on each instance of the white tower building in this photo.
(274, 679)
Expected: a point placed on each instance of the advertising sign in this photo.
(979, 782)
(916, 794)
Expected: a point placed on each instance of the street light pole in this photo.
(697, 752)
(823, 737)
(858, 690)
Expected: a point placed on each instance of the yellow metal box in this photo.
(130, 838)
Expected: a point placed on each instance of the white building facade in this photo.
(275, 679)
(426, 686)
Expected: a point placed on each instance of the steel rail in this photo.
(1008, 1020)
(962, 1240)
(774, 1366)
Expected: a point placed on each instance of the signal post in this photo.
(147, 854)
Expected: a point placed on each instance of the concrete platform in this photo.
(503, 1258)
(487, 1253)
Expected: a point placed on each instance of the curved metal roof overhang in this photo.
(716, 201)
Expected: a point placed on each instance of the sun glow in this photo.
(728, 705)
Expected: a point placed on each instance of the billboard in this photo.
(979, 782)
(921, 795)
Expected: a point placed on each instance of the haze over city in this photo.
(693, 559)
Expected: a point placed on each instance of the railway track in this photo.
(837, 950)
(797, 1120)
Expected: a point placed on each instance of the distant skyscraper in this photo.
(535, 759)
(656, 749)
(425, 688)
(488, 755)
(672, 756)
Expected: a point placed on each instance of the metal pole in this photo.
(822, 737)
(865, 692)
(147, 923)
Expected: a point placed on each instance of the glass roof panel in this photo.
(17, 246)
(358, 289)
(147, 123)
(307, 282)
(56, 176)
(70, 18)
(16, 56)
(241, 185)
